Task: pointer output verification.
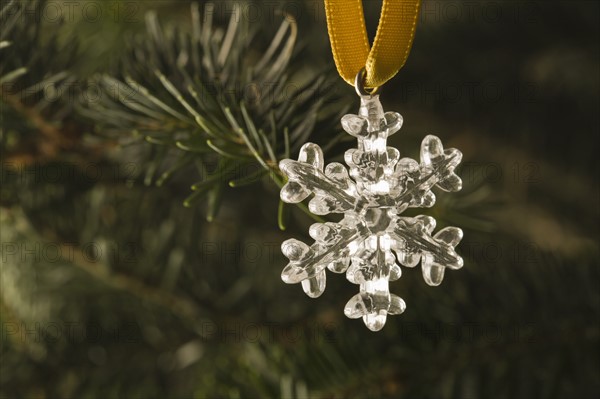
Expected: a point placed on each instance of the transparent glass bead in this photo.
(372, 240)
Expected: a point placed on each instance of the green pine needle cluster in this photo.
(214, 100)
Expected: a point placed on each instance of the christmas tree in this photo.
(141, 220)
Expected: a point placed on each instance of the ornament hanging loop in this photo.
(359, 85)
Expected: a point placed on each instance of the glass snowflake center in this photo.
(378, 220)
(372, 240)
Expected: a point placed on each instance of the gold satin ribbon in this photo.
(350, 43)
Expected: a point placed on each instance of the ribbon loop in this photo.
(350, 43)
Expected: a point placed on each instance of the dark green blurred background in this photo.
(111, 288)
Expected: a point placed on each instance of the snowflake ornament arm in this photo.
(372, 240)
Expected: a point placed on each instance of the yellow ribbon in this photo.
(350, 43)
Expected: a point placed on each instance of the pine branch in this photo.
(187, 89)
(37, 90)
(182, 307)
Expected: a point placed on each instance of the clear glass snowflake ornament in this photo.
(372, 240)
